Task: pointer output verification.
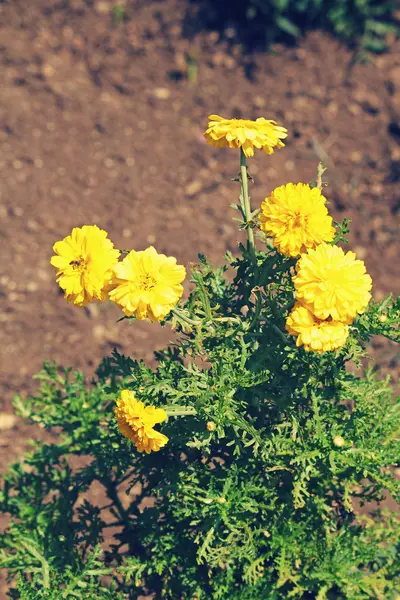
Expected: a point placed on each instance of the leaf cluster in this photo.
(365, 24)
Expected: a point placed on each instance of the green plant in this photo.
(265, 486)
(364, 23)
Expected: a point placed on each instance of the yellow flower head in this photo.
(312, 333)
(339, 441)
(136, 422)
(245, 134)
(296, 217)
(84, 262)
(147, 284)
(332, 284)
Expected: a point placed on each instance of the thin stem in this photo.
(198, 278)
(228, 320)
(245, 203)
(257, 310)
(180, 411)
(180, 315)
(320, 171)
(280, 333)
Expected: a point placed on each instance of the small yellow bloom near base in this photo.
(242, 133)
(338, 441)
(147, 284)
(136, 422)
(314, 334)
(84, 262)
(332, 284)
(296, 218)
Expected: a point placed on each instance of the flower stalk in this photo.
(245, 205)
(181, 316)
(180, 411)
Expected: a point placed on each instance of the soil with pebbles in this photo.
(101, 122)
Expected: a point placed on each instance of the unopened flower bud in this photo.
(221, 500)
(211, 426)
(382, 318)
(338, 441)
(266, 533)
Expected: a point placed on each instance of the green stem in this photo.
(257, 310)
(245, 204)
(228, 320)
(198, 278)
(180, 315)
(180, 411)
(280, 333)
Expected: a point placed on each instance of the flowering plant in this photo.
(244, 465)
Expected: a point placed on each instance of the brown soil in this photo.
(101, 124)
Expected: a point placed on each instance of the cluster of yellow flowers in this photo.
(144, 283)
(331, 286)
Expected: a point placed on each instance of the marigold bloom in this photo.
(296, 217)
(332, 284)
(136, 422)
(314, 334)
(147, 284)
(84, 262)
(242, 133)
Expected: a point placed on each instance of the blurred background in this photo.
(102, 109)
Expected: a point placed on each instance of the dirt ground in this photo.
(101, 121)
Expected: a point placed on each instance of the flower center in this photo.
(79, 264)
(299, 220)
(320, 322)
(147, 282)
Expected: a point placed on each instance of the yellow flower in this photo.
(84, 264)
(296, 217)
(136, 422)
(332, 284)
(339, 441)
(314, 334)
(245, 134)
(147, 284)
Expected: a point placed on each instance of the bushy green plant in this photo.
(360, 22)
(272, 484)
